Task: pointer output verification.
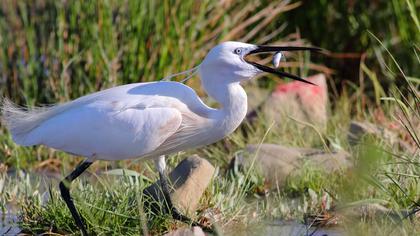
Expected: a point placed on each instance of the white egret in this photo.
(145, 120)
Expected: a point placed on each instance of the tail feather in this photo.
(21, 121)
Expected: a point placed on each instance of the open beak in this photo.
(264, 49)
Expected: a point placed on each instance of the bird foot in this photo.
(180, 217)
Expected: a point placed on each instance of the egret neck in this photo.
(231, 97)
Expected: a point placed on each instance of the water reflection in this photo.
(8, 225)
(294, 228)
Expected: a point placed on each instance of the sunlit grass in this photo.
(95, 45)
(114, 203)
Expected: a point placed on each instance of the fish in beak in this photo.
(276, 49)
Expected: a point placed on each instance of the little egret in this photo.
(146, 120)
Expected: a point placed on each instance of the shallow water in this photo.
(42, 180)
(294, 228)
(8, 225)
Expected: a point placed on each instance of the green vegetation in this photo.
(54, 51)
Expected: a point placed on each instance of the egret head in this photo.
(229, 61)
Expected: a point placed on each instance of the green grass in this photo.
(383, 174)
(53, 51)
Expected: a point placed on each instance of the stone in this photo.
(189, 180)
(394, 137)
(194, 231)
(372, 210)
(359, 129)
(301, 101)
(365, 210)
(277, 162)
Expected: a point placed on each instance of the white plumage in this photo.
(135, 120)
(145, 120)
(124, 122)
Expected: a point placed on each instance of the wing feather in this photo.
(103, 131)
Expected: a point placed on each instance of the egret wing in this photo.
(104, 130)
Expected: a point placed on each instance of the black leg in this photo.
(65, 193)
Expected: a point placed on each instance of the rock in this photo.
(372, 210)
(365, 210)
(330, 162)
(304, 102)
(277, 162)
(189, 181)
(194, 231)
(359, 129)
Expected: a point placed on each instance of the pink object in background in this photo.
(301, 101)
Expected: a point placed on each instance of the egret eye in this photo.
(238, 51)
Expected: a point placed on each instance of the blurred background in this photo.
(53, 51)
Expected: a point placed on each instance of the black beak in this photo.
(263, 48)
